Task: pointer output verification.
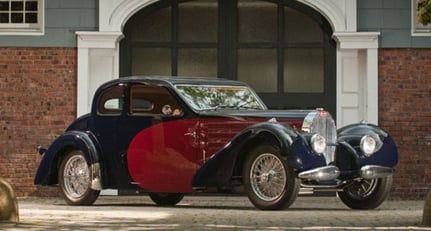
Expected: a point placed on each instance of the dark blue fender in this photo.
(46, 173)
(349, 155)
(219, 170)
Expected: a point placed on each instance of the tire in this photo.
(74, 178)
(366, 194)
(166, 199)
(269, 182)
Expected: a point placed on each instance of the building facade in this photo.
(362, 60)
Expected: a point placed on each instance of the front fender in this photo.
(218, 170)
(350, 136)
(48, 167)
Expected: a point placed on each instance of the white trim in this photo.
(114, 14)
(97, 63)
(27, 29)
(341, 14)
(357, 77)
(356, 40)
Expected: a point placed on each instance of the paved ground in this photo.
(212, 213)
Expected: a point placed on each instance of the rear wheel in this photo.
(366, 193)
(269, 182)
(74, 179)
(166, 199)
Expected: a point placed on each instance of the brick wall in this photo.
(405, 112)
(37, 102)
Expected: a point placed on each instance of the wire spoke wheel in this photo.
(366, 193)
(268, 177)
(75, 179)
(269, 182)
(361, 189)
(76, 176)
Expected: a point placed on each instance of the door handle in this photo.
(192, 134)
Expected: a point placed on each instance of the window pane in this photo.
(303, 70)
(4, 18)
(17, 17)
(258, 67)
(197, 21)
(31, 5)
(4, 5)
(31, 18)
(154, 27)
(300, 28)
(200, 62)
(17, 6)
(257, 21)
(111, 101)
(151, 61)
(418, 26)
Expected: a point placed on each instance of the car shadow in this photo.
(216, 207)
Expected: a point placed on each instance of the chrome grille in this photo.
(321, 122)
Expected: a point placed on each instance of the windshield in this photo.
(213, 97)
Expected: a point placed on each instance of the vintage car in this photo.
(171, 136)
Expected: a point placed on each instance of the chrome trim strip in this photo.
(375, 171)
(321, 174)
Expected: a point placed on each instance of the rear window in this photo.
(111, 101)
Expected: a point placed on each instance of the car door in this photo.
(163, 154)
(108, 115)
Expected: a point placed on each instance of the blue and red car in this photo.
(172, 136)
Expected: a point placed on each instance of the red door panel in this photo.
(164, 157)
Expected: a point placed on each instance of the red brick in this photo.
(32, 82)
(405, 112)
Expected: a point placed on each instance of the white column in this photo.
(98, 62)
(372, 106)
(357, 77)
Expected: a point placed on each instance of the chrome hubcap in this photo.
(76, 176)
(268, 177)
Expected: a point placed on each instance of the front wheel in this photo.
(269, 182)
(366, 193)
(166, 199)
(74, 179)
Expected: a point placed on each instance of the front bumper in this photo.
(321, 173)
(375, 171)
(330, 172)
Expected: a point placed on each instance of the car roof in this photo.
(173, 80)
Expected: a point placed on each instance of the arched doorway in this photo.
(282, 48)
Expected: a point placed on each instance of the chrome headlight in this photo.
(370, 144)
(318, 143)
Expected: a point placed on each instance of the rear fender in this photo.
(72, 140)
(218, 170)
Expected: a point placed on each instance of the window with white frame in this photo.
(21, 16)
(421, 24)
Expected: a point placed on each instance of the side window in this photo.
(157, 100)
(21, 17)
(111, 101)
(421, 20)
